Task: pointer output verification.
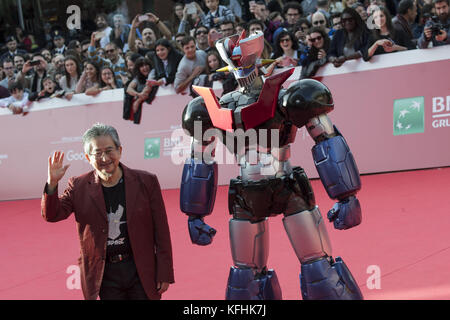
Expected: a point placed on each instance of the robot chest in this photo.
(238, 110)
(245, 112)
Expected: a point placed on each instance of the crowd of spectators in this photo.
(149, 52)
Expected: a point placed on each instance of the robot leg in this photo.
(321, 277)
(249, 278)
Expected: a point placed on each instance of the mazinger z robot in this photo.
(267, 184)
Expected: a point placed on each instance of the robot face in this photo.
(241, 54)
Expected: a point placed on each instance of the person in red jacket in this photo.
(126, 250)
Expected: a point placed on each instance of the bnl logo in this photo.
(409, 116)
(152, 148)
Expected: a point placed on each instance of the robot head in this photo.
(241, 55)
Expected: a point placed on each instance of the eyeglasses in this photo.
(201, 32)
(319, 22)
(108, 152)
(285, 40)
(315, 39)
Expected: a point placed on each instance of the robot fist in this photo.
(345, 214)
(200, 232)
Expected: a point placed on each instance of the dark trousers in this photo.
(121, 282)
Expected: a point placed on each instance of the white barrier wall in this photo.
(394, 112)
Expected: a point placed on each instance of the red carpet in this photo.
(404, 236)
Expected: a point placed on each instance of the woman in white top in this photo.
(69, 81)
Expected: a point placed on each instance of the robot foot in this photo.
(244, 284)
(322, 280)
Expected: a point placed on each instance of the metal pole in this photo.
(19, 9)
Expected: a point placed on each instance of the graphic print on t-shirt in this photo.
(114, 226)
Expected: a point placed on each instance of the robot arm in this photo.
(306, 102)
(337, 170)
(199, 179)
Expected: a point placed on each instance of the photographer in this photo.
(437, 28)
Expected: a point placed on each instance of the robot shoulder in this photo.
(306, 99)
(194, 111)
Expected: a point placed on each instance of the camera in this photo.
(435, 25)
(35, 62)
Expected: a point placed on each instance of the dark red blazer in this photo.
(146, 220)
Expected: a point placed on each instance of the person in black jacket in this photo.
(350, 42)
(316, 55)
(165, 62)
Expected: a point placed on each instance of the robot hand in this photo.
(200, 232)
(346, 213)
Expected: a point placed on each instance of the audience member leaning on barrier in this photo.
(350, 42)
(316, 56)
(72, 71)
(18, 102)
(89, 80)
(386, 38)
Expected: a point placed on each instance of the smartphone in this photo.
(191, 9)
(35, 62)
(100, 35)
(143, 18)
(391, 42)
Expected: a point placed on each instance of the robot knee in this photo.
(308, 235)
(249, 243)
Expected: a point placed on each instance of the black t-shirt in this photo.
(118, 240)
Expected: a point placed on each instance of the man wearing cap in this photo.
(11, 44)
(58, 41)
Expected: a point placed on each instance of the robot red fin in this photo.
(264, 109)
(221, 118)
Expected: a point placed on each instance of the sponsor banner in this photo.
(393, 118)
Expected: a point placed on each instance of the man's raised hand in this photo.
(56, 170)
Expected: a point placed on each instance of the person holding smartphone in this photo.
(148, 31)
(33, 83)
